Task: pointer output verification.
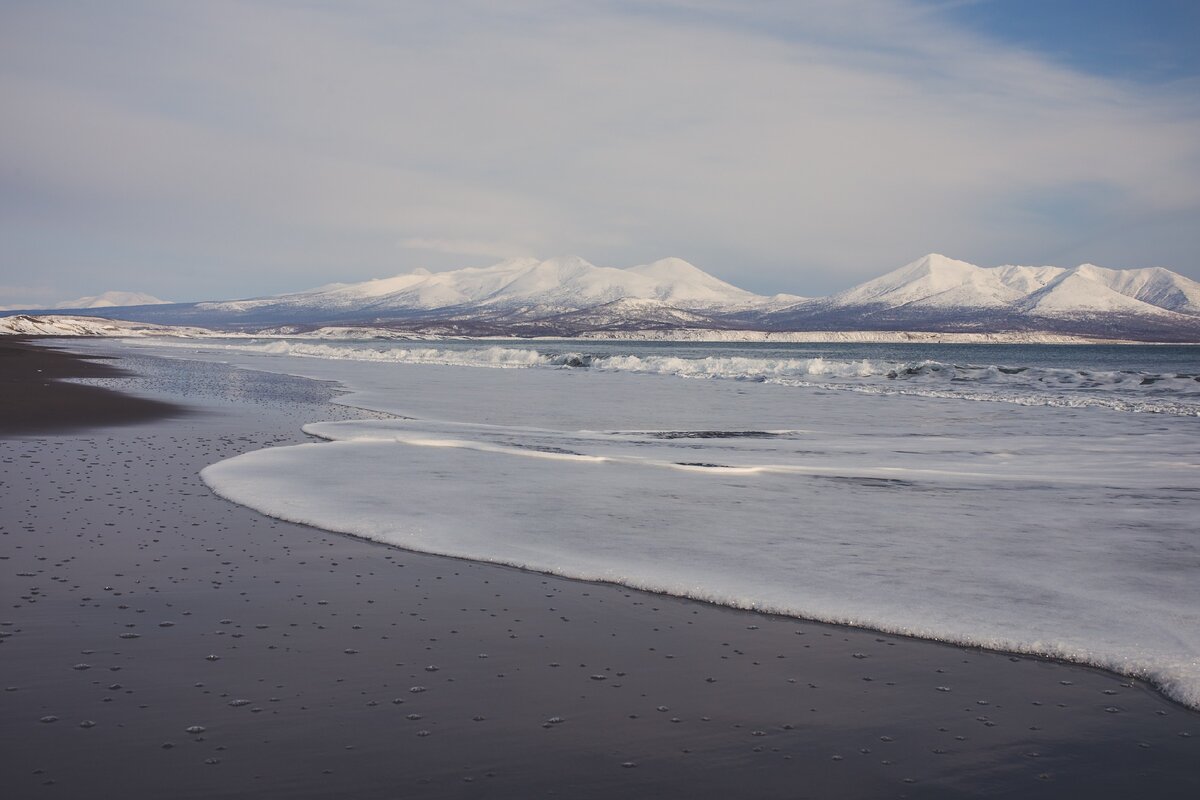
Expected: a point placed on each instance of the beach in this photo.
(36, 398)
(158, 640)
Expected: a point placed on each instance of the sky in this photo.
(231, 149)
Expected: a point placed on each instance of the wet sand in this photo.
(33, 396)
(136, 605)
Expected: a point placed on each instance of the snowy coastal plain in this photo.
(1051, 519)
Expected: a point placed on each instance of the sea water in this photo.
(1041, 499)
(1161, 378)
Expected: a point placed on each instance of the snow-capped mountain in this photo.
(940, 293)
(557, 285)
(937, 282)
(104, 300)
(568, 296)
(113, 300)
(1088, 289)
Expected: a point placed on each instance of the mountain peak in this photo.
(938, 263)
(559, 284)
(936, 258)
(567, 294)
(113, 300)
(927, 277)
(568, 262)
(670, 266)
(935, 287)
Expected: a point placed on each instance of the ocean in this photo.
(1035, 499)
(1154, 378)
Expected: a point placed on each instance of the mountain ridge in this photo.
(110, 299)
(569, 296)
(564, 282)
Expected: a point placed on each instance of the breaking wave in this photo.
(1122, 390)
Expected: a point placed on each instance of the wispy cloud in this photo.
(786, 146)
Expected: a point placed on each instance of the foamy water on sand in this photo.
(1053, 527)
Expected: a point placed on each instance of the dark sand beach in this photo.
(34, 396)
(158, 641)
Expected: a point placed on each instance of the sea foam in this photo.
(1057, 531)
(1168, 392)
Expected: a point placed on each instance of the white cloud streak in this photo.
(786, 146)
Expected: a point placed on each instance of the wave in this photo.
(1122, 390)
(972, 538)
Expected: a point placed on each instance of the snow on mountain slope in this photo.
(567, 282)
(935, 281)
(557, 284)
(65, 325)
(684, 285)
(1025, 280)
(527, 296)
(1088, 290)
(454, 288)
(1153, 285)
(112, 300)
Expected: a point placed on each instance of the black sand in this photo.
(135, 605)
(33, 396)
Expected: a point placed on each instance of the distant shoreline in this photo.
(53, 325)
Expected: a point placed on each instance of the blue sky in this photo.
(241, 147)
(1150, 41)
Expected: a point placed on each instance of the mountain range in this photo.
(104, 300)
(568, 296)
